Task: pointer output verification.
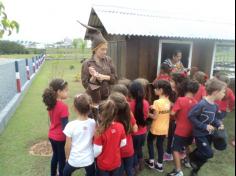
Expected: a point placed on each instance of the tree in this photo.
(75, 43)
(8, 47)
(6, 25)
(82, 45)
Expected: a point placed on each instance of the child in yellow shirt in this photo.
(160, 124)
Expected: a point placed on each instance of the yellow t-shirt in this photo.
(160, 125)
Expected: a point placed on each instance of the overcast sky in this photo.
(53, 20)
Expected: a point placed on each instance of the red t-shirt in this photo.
(182, 107)
(128, 150)
(227, 102)
(56, 114)
(110, 140)
(141, 129)
(164, 77)
(200, 93)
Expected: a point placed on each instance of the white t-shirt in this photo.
(81, 132)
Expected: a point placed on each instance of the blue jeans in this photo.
(115, 172)
(138, 141)
(68, 170)
(159, 144)
(127, 166)
(58, 156)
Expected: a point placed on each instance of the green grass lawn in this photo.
(30, 124)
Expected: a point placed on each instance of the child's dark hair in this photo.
(191, 86)
(123, 110)
(200, 77)
(165, 68)
(165, 86)
(175, 53)
(82, 103)
(107, 110)
(50, 94)
(179, 79)
(137, 93)
(144, 82)
(121, 88)
(213, 85)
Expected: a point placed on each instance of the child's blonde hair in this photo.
(224, 78)
(125, 82)
(107, 111)
(200, 77)
(213, 85)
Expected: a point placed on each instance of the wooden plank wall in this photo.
(117, 51)
(138, 56)
(202, 55)
(142, 54)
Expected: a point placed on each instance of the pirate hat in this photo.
(94, 35)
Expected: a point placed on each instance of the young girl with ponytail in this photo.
(53, 97)
(125, 117)
(108, 140)
(140, 108)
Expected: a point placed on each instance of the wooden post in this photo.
(18, 82)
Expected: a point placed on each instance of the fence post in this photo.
(18, 82)
(36, 61)
(33, 64)
(27, 69)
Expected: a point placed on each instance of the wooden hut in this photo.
(140, 40)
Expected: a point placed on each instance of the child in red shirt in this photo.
(183, 131)
(140, 108)
(108, 141)
(58, 113)
(228, 102)
(125, 117)
(164, 73)
(201, 78)
(176, 82)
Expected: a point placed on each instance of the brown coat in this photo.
(98, 90)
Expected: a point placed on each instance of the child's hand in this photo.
(210, 128)
(221, 127)
(151, 110)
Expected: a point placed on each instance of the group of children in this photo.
(185, 111)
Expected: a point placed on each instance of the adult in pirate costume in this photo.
(98, 73)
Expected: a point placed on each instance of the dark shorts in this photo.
(180, 142)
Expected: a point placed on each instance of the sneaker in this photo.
(168, 157)
(149, 163)
(158, 168)
(175, 173)
(186, 162)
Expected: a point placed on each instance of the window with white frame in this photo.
(167, 48)
(224, 60)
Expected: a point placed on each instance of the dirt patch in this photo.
(41, 148)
